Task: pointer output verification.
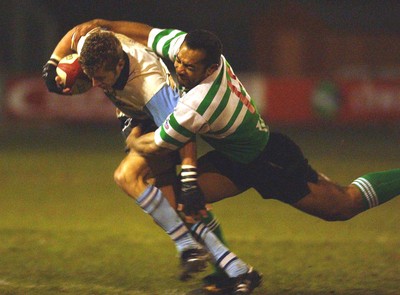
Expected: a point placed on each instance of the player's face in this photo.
(190, 70)
(105, 79)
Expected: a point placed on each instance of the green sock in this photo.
(213, 224)
(379, 187)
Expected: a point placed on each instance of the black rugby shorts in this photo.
(280, 172)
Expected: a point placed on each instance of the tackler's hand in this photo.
(191, 201)
(133, 135)
(192, 205)
(136, 131)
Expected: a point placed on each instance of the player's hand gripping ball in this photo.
(72, 75)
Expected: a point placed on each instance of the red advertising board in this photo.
(288, 100)
(280, 100)
(370, 100)
(28, 99)
(339, 102)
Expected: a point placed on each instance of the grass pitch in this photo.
(65, 228)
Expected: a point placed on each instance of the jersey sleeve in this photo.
(162, 104)
(180, 127)
(166, 42)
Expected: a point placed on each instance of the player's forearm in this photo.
(188, 154)
(134, 30)
(144, 144)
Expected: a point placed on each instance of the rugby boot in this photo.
(193, 261)
(218, 283)
(246, 283)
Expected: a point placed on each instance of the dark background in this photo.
(30, 29)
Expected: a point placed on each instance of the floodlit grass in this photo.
(65, 228)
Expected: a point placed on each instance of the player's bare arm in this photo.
(137, 31)
(144, 144)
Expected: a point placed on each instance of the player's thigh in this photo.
(216, 186)
(136, 166)
(215, 176)
(330, 201)
(132, 167)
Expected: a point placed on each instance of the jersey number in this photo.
(261, 125)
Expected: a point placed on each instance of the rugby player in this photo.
(216, 106)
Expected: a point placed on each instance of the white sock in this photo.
(153, 203)
(225, 259)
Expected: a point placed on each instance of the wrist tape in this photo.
(188, 177)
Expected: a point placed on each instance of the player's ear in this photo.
(121, 64)
(211, 69)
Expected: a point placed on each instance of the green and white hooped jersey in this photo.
(219, 109)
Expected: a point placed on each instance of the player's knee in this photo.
(124, 178)
(120, 177)
(130, 180)
(338, 216)
(341, 213)
(347, 209)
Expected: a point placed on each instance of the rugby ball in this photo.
(72, 75)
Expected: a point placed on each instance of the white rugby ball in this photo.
(72, 75)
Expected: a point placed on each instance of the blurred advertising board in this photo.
(27, 98)
(296, 101)
(280, 100)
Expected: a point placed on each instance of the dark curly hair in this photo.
(208, 42)
(100, 50)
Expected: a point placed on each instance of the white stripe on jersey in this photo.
(158, 140)
(161, 43)
(196, 96)
(238, 121)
